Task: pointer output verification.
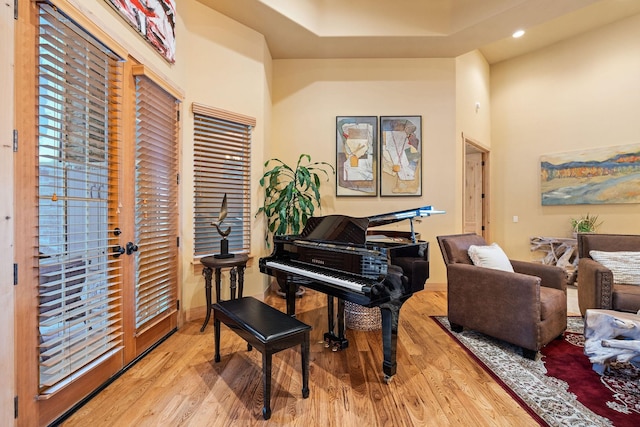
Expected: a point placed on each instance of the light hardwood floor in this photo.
(437, 383)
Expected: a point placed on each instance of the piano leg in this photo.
(338, 342)
(390, 313)
(290, 294)
(341, 325)
(330, 314)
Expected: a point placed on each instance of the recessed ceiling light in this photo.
(518, 34)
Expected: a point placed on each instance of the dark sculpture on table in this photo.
(224, 243)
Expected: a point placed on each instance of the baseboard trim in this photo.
(196, 313)
(437, 287)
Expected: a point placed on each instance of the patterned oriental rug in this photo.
(559, 388)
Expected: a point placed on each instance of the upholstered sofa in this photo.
(598, 284)
(527, 307)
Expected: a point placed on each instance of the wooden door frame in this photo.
(25, 202)
(469, 143)
(7, 294)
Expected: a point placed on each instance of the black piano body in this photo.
(347, 259)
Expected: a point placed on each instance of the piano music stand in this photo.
(237, 264)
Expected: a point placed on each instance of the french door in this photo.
(96, 243)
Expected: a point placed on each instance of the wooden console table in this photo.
(559, 251)
(237, 264)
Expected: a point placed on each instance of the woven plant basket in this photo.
(362, 318)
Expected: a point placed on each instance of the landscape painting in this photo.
(598, 176)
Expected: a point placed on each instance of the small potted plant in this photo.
(291, 196)
(585, 224)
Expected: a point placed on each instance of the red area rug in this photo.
(559, 388)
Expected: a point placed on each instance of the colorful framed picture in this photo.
(356, 155)
(155, 21)
(401, 155)
(603, 175)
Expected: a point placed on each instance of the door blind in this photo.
(156, 202)
(79, 282)
(222, 159)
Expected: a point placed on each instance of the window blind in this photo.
(78, 91)
(222, 159)
(156, 202)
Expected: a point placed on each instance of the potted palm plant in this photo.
(291, 195)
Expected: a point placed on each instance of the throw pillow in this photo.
(491, 256)
(625, 265)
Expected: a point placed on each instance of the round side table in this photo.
(237, 264)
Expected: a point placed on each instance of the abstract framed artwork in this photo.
(401, 155)
(598, 176)
(155, 20)
(356, 155)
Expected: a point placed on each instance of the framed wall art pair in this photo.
(389, 160)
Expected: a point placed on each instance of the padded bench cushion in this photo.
(261, 320)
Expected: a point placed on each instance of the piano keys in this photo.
(344, 258)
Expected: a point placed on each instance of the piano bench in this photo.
(269, 331)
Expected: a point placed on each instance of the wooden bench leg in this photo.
(305, 365)
(246, 317)
(216, 338)
(266, 384)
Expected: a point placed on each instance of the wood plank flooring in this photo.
(436, 383)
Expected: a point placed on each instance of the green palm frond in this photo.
(291, 196)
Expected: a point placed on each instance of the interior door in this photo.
(475, 190)
(473, 193)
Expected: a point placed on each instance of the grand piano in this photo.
(347, 259)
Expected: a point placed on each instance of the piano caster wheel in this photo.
(335, 347)
(387, 378)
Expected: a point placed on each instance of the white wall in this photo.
(473, 89)
(309, 94)
(579, 94)
(228, 66)
(473, 117)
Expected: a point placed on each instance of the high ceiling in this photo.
(417, 28)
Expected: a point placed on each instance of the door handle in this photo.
(117, 251)
(131, 248)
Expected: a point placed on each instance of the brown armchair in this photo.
(527, 308)
(596, 287)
